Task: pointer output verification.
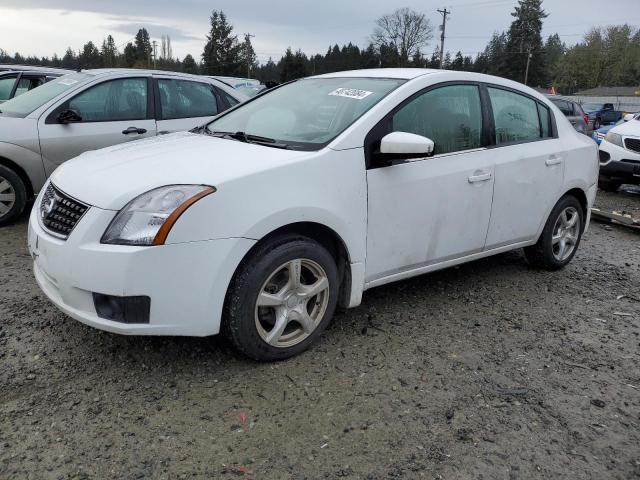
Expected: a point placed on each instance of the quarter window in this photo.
(515, 116)
(115, 100)
(451, 116)
(186, 99)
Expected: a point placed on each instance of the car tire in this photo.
(13, 195)
(264, 295)
(608, 184)
(560, 237)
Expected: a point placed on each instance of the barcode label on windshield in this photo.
(67, 81)
(350, 93)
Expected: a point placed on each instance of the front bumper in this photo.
(186, 282)
(619, 163)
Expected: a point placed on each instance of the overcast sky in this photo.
(44, 27)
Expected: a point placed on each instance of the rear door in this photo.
(111, 112)
(184, 104)
(529, 168)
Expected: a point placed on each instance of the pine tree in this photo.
(143, 49)
(109, 52)
(69, 59)
(523, 39)
(292, 65)
(89, 56)
(189, 65)
(221, 52)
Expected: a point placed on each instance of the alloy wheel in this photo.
(566, 232)
(292, 303)
(7, 196)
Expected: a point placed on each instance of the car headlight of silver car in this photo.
(614, 138)
(148, 219)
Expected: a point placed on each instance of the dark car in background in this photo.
(16, 82)
(601, 114)
(574, 113)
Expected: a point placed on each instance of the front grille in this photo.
(632, 144)
(59, 212)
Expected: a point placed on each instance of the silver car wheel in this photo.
(292, 303)
(7, 196)
(565, 235)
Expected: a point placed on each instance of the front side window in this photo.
(515, 116)
(114, 100)
(186, 99)
(451, 116)
(6, 86)
(306, 114)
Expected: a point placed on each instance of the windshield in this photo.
(592, 107)
(306, 114)
(25, 104)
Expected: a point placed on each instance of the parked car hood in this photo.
(111, 177)
(630, 128)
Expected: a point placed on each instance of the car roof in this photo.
(399, 73)
(33, 68)
(32, 72)
(138, 71)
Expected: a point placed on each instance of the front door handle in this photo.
(131, 130)
(480, 177)
(552, 160)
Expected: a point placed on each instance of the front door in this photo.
(111, 112)
(427, 211)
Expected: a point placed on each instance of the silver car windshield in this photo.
(25, 104)
(306, 114)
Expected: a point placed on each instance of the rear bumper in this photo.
(186, 282)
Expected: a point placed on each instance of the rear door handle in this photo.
(552, 160)
(481, 177)
(131, 130)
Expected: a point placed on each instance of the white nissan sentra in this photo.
(260, 223)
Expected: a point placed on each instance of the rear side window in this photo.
(564, 107)
(6, 86)
(186, 99)
(115, 100)
(515, 116)
(451, 116)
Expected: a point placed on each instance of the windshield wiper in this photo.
(249, 138)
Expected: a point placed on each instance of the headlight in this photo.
(614, 138)
(147, 219)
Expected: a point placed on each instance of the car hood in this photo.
(111, 177)
(630, 128)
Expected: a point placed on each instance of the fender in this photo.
(27, 160)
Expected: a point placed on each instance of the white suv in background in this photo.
(93, 109)
(620, 155)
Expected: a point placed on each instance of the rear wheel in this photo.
(560, 237)
(281, 298)
(608, 184)
(13, 195)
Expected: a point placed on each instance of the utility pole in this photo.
(444, 14)
(155, 53)
(247, 44)
(526, 72)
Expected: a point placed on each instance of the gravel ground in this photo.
(488, 370)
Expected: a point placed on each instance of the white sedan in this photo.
(260, 223)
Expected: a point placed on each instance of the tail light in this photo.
(586, 118)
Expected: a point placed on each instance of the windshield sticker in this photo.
(68, 81)
(350, 93)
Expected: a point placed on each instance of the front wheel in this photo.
(13, 195)
(281, 298)
(560, 237)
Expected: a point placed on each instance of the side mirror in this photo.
(69, 116)
(628, 117)
(403, 145)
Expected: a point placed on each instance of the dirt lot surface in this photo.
(489, 370)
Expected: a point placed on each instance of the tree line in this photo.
(604, 57)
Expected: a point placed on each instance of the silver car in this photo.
(93, 109)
